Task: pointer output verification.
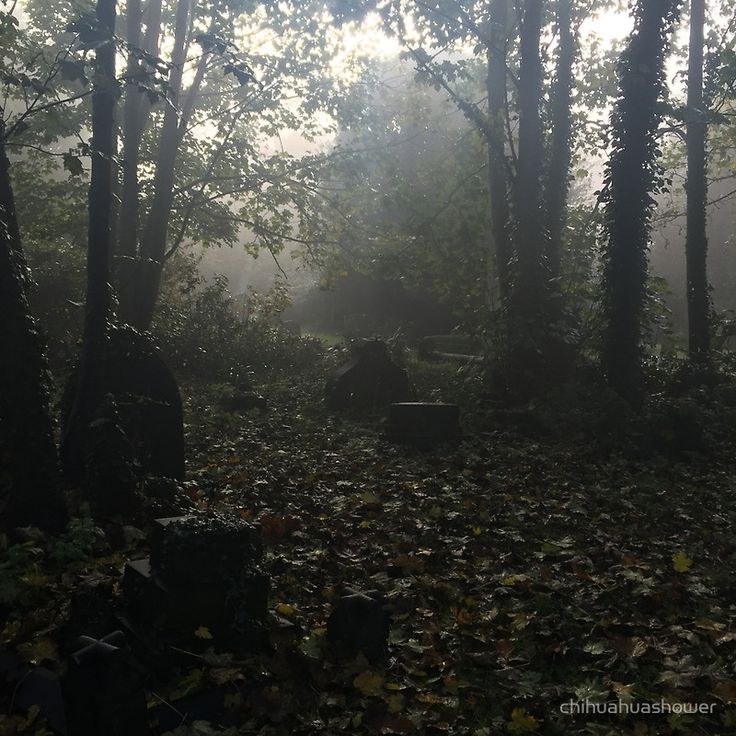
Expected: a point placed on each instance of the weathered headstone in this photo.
(370, 379)
(110, 478)
(91, 609)
(25, 687)
(103, 691)
(359, 623)
(203, 572)
(184, 547)
(423, 424)
(146, 399)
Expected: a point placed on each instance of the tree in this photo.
(632, 177)
(558, 175)
(386, 211)
(696, 242)
(528, 163)
(140, 284)
(530, 283)
(498, 184)
(246, 99)
(90, 386)
(30, 492)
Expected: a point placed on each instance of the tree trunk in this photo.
(127, 244)
(696, 242)
(631, 181)
(558, 178)
(90, 384)
(495, 140)
(135, 118)
(138, 304)
(530, 275)
(30, 493)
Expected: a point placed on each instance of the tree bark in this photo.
(138, 304)
(495, 141)
(90, 383)
(558, 178)
(30, 493)
(127, 244)
(136, 113)
(631, 181)
(530, 282)
(696, 241)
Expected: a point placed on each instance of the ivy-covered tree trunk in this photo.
(631, 180)
(558, 178)
(696, 242)
(530, 282)
(90, 382)
(495, 140)
(29, 475)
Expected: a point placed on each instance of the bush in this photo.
(204, 334)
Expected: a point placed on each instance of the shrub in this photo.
(205, 335)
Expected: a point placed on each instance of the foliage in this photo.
(390, 216)
(205, 334)
(518, 572)
(55, 246)
(266, 345)
(195, 323)
(510, 567)
(558, 552)
(20, 561)
(78, 542)
(25, 566)
(260, 70)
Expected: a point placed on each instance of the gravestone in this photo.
(423, 424)
(203, 571)
(370, 379)
(110, 479)
(25, 687)
(103, 691)
(146, 399)
(359, 623)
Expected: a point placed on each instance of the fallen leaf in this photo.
(285, 610)
(521, 722)
(681, 562)
(369, 683)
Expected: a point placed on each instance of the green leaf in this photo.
(73, 164)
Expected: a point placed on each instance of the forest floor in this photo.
(519, 575)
